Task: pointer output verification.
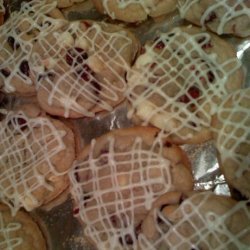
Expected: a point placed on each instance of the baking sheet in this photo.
(64, 231)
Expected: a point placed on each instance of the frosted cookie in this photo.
(17, 36)
(20, 232)
(179, 78)
(80, 68)
(116, 179)
(36, 153)
(219, 16)
(135, 10)
(201, 221)
(231, 132)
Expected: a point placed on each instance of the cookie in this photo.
(219, 16)
(231, 132)
(118, 176)
(36, 153)
(20, 232)
(135, 10)
(179, 79)
(199, 221)
(17, 36)
(80, 68)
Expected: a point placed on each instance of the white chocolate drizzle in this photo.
(122, 185)
(72, 86)
(162, 77)
(236, 119)
(17, 37)
(26, 150)
(228, 10)
(147, 5)
(7, 230)
(198, 228)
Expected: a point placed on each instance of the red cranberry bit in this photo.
(194, 92)
(13, 44)
(76, 56)
(5, 72)
(143, 50)
(87, 24)
(76, 211)
(126, 240)
(21, 122)
(77, 177)
(160, 45)
(211, 17)
(138, 230)
(97, 87)
(86, 72)
(207, 45)
(24, 67)
(114, 221)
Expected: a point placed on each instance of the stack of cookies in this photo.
(133, 187)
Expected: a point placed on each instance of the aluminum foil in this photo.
(64, 232)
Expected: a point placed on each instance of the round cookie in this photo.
(118, 176)
(36, 153)
(19, 232)
(231, 133)
(17, 36)
(80, 68)
(135, 10)
(199, 221)
(219, 16)
(179, 79)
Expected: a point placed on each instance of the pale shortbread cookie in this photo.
(231, 132)
(118, 176)
(179, 79)
(36, 153)
(80, 68)
(20, 232)
(219, 16)
(199, 221)
(135, 10)
(17, 35)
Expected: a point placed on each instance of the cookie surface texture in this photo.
(231, 132)
(179, 79)
(219, 16)
(36, 153)
(20, 232)
(116, 179)
(80, 69)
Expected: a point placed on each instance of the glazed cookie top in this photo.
(19, 232)
(80, 68)
(17, 36)
(200, 221)
(33, 154)
(135, 10)
(231, 132)
(179, 79)
(118, 176)
(220, 16)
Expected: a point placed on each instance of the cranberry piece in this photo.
(138, 230)
(143, 50)
(76, 56)
(24, 67)
(5, 72)
(76, 211)
(207, 45)
(97, 86)
(210, 76)
(85, 72)
(87, 24)
(114, 221)
(21, 122)
(211, 17)
(13, 44)
(77, 177)
(127, 239)
(168, 144)
(194, 92)
(160, 45)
